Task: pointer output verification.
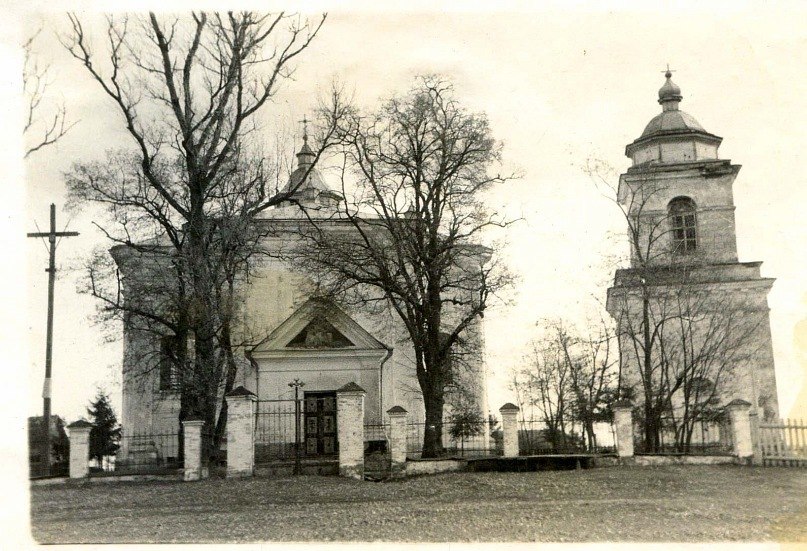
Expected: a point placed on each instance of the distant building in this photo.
(678, 195)
(59, 446)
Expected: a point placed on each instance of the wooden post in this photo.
(46, 388)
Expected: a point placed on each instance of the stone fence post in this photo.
(510, 429)
(79, 448)
(623, 427)
(397, 440)
(756, 459)
(240, 433)
(192, 442)
(350, 430)
(741, 428)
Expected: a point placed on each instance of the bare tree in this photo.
(45, 120)
(413, 175)
(189, 90)
(592, 359)
(570, 377)
(548, 387)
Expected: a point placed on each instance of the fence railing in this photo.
(376, 436)
(143, 453)
(534, 438)
(278, 430)
(458, 440)
(703, 436)
(784, 440)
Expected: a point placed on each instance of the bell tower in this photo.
(678, 199)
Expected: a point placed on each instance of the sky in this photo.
(561, 86)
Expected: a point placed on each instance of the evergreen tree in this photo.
(105, 434)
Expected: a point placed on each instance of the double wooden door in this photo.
(320, 424)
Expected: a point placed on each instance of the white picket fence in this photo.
(782, 442)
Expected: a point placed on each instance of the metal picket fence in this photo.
(710, 435)
(458, 440)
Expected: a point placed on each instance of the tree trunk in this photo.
(589, 429)
(651, 431)
(433, 400)
(204, 391)
(651, 436)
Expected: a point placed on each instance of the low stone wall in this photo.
(433, 466)
(107, 479)
(653, 460)
(604, 461)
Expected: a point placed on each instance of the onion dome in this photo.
(670, 91)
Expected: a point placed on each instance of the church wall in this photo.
(321, 374)
(748, 373)
(677, 151)
(715, 210)
(705, 151)
(274, 292)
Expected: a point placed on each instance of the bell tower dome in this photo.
(672, 136)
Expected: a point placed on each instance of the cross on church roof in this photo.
(305, 128)
(668, 73)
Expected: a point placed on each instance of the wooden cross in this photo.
(51, 235)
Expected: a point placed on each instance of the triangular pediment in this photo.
(318, 324)
(319, 333)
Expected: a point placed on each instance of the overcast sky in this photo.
(559, 86)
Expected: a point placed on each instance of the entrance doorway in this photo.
(320, 424)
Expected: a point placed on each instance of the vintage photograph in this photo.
(446, 273)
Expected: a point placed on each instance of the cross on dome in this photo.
(670, 94)
(305, 129)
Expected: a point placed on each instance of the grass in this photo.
(691, 503)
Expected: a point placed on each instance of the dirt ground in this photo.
(684, 504)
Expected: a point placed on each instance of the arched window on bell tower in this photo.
(683, 225)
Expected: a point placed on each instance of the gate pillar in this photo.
(397, 440)
(741, 427)
(350, 430)
(509, 414)
(192, 435)
(623, 427)
(79, 448)
(240, 433)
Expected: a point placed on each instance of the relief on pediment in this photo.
(319, 333)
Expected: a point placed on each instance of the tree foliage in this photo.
(105, 433)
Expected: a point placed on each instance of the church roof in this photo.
(672, 121)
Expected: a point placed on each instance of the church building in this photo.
(678, 201)
(293, 337)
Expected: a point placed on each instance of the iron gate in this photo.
(293, 430)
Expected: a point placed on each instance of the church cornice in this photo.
(704, 167)
(672, 136)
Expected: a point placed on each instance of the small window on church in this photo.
(683, 225)
(169, 368)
